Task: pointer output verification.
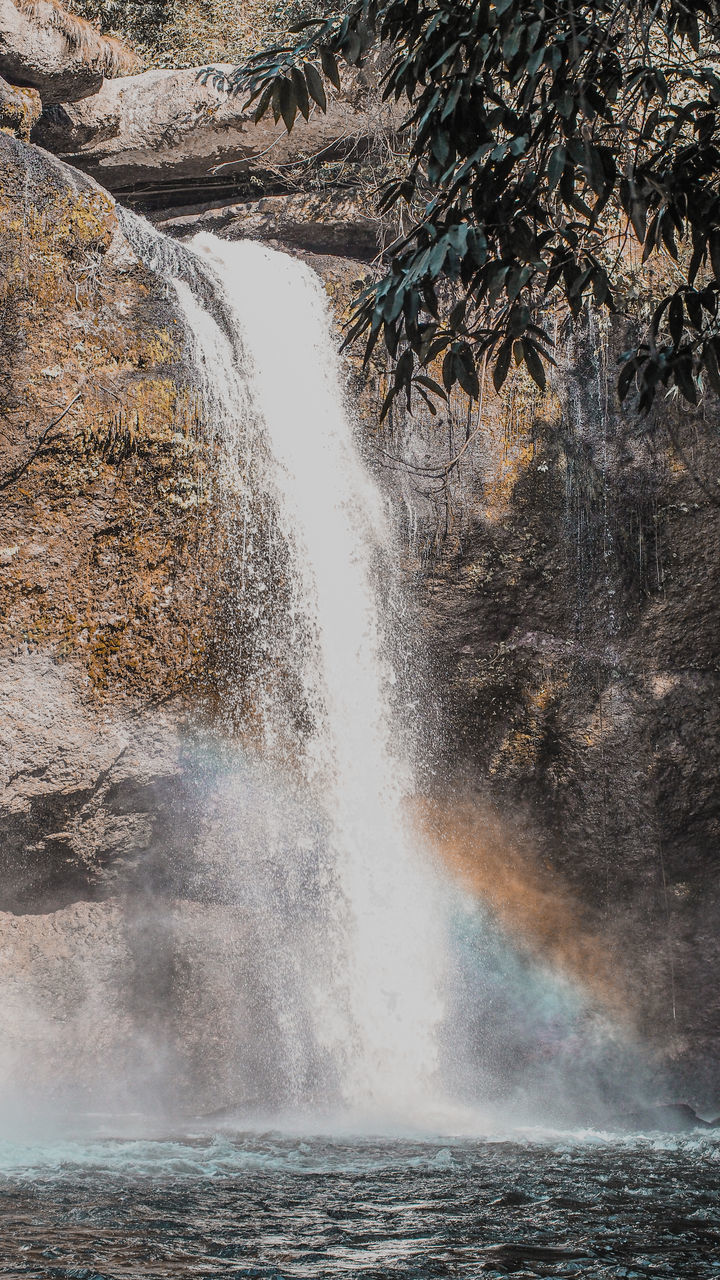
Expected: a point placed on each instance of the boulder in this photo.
(667, 1117)
(164, 126)
(65, 58)
(83, 792)
(20, 109)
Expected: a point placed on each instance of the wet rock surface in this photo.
(567, 571)
(673, 1117)
(84, 795)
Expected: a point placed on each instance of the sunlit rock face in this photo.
(105, 549)
(56, 52)
(20, 109)
(182, 131)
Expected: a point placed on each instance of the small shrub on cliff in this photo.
(139, 21)
(541, 135)
(178, 33)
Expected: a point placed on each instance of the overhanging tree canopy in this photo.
(537, 132)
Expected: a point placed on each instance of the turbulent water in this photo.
(267, 1207)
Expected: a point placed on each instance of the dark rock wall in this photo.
(566, 574)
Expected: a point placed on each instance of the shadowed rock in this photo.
(670, 1117)
(327, 222)
(61, 55)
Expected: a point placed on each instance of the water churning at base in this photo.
(367, 961)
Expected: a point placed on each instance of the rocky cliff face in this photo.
(563, 561)
(566, 569)
(109, 550)
(102, 461)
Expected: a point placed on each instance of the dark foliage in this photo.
(541, 134)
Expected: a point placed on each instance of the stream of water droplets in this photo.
(373, 967)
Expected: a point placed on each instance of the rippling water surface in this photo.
(264, 1206)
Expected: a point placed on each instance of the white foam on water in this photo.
(199, 1156)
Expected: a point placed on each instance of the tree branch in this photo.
(13, 476)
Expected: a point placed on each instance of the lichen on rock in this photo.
(100, 506)
(20, 109)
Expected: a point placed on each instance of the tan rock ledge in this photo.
(167, 125)
(44, 47)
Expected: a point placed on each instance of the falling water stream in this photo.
(374, 975)
(385, 1000)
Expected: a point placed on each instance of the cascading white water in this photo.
(371, 967)
(301, 959)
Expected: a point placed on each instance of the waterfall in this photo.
(355, 976)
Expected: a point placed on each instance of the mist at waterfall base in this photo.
(315, 966)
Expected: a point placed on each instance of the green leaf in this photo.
(535, 366)
(638, 216)
(502, 364)
(715, 252)
(676, 319)
(685, 381)
(440, 145)
(711, 364)
(301, 92)
(288, 103)
(316, 88)
(387, 404)
(467, 373)
(437, 257)
(626, 377)
(693, 306)
(431, 384)
(453, 98)
(264, 103)
(457, 315)
(556, 166)
(275, 99)
(329, 66)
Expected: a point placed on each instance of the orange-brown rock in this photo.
(100, 460)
